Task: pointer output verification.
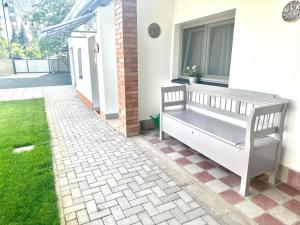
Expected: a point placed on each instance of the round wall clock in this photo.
(154, 30)
(291, 12)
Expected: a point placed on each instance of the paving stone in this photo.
(70, 216)
(109, 220)
(98, 197)
(82, 216)
(173, 222)
(129, 220)
(74, 208)
(179, 215)
(162, 217)
(108, 204)
(117, 212)
(197, 221)
(96, 222)
(193, 205)
(76, 192)
(67, 201)
(72, 222)
(163, 223)
(99, 214)
(91, 206)
(249, 208)
(82, 199)
(133, 211)
(166, 207)
(182, 205)
(185, 197)
(114, 196)
(123, 203)
(151, 209)
(145, 218)
(139, 201)
(129, 194)
(158, 191)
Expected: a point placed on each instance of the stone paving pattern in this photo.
(265, 205)
(104, 178)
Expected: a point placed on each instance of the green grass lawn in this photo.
(27, 190)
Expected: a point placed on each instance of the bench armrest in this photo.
(173, 96)
(266, 120)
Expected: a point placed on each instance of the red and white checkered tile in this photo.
(266, 205)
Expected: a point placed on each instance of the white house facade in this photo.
(259, 53)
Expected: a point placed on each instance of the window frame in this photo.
(193, 30)
(208, 22)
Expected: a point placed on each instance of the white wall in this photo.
(83, 85)
(154, 55)
(93, 73)
(72, 63)
(6, 67)
(265, 55)
(106, 60)
(104, 74)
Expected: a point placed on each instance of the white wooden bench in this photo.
(240, 130)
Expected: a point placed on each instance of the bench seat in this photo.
(227, 132)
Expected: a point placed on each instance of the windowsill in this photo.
(214, 80)
(223, 81)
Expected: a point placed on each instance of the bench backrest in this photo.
(236, 104)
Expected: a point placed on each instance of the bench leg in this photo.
(161, 134)
(274, 175)
(272, 178)
(245, 183)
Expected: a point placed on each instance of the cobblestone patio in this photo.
(103, 178)
(265, 205)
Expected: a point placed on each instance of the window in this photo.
(79, 63)
(208, 46)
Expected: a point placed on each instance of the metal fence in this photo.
(41, 65)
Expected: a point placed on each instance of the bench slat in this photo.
(220, 111)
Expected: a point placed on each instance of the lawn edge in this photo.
(55, 173)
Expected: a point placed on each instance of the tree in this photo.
(17, 51)
(14, 36)
(4, 51)
(33, 51)
(22, 38)
(50, 13)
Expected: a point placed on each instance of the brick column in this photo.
(127, 65)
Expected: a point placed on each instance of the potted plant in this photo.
(193, 73)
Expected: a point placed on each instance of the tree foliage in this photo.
(17, 51)
(14, 36)
(33, 51)
(4, 52)
(49, 13)
(22, 37)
